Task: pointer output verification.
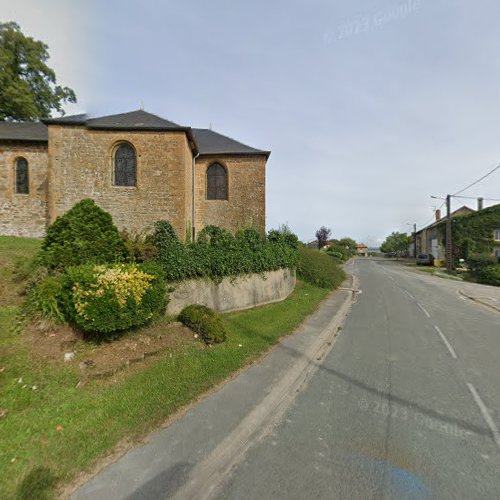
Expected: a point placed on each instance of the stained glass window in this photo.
(216, 182)
(125, 165)
(22, 176)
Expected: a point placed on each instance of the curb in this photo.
(479, 301)
(206, 476)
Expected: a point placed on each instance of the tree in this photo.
(397, 243)
(322, 235)
(28, 87)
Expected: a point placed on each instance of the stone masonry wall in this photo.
(23, 214)
(246, 203)
(81, 166)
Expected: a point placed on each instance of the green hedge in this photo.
(319, 269)
(84, 234)
(489, 275)
(204, 321)
(217, 253)
(109, 298)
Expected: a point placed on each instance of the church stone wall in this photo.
(23, 214)
(81, 166)
(246, 203)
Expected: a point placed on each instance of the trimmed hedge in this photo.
(109, 298)
(84, 234)
(204, 321)
(217, 253)
(319, 269)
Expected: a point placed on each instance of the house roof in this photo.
(211, 143)
(459, 212)
(203, 141)
(23, 131)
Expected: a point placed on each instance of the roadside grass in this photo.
(52, 430)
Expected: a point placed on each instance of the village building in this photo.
(431, 239)
(139, 167)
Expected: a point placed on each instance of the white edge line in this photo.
(446, 343)
(486, 414)
(423, 310)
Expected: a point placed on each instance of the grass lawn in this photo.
(51, 430)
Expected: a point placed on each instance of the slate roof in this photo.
(23, 131)
(210, 142)
(203, 141)
(134, 120)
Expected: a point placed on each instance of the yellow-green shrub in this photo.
(107, 298)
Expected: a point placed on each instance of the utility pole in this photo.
(415, 240)
(449, 243)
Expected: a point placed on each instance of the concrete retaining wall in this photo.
(233, 294)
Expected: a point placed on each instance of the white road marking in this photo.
(446, 343)
(423, 309)
(486, 414)
(409, 295)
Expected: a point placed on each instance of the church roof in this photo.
(23, 131)
(133, 120)
(210, 142)
(203, 141)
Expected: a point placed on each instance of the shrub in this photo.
(204, 321)
(109, 298)
(170, 252)
(319, 269)
(217, 253)
(489, 275)
(43, 296)
(84, 234)
(478, 261)
(140, 246)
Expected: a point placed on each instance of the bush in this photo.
(478, 261)
(109, 298)
(43, 296)
(204, 321)
(489, 275)
(140, 246)
(319, 269)
(84, 234)
(217, 253)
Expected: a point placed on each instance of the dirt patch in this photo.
(53, 343)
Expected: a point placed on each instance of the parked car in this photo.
(391, 254)
(425, 259)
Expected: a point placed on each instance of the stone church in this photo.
(139, 167)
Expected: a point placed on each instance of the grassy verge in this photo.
(51, 429)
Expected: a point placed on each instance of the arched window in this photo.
(22, 176)
(125, 165)
(216, 182)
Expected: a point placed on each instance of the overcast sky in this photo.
(369, 106)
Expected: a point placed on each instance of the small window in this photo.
(216, 182)
(497, 235)
(125, 165)
(22, 176)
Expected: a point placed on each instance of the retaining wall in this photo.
(233, 294)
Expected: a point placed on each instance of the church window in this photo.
(22, 176)
(216, 182)
(125, 165)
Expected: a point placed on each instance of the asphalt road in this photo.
(405, 406)
(397, 410)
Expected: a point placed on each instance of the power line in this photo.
(475, 198)
(479, 180)
(433, 216)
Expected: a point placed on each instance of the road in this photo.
(405, 406)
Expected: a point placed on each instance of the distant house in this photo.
(482, 228)
(362, 249)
